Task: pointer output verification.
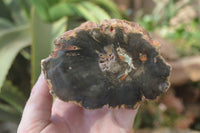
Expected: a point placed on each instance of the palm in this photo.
(61, 117)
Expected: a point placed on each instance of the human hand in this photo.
(41, 115)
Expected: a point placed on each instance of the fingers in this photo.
(125, 117)
(63, 108)
(70, 112)
(37, 111)
(109, 120)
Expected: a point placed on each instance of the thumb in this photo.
(37, 111)
(125, 117)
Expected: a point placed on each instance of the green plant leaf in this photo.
(43, 34)
(110, 7)
(11, 42)
(26, 7)
(12, 95)
(42, 8)
(18, 14)
(85, 13)
(5, 24)
(60, 10)
(4, 11)
(53, 2)
(9, 114)
(96, 10)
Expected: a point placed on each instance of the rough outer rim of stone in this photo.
(128, 27)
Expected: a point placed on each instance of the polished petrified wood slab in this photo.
(114, 63)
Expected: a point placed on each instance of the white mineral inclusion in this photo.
(107, 61)
(126, 58)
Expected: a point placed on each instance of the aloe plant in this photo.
(43, 34)
(93, 10)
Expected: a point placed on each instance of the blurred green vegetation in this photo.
(185, 35)
(151, 115)
(187, 38)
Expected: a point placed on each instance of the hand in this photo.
(41, 115)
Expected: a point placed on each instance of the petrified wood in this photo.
(114, 63)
